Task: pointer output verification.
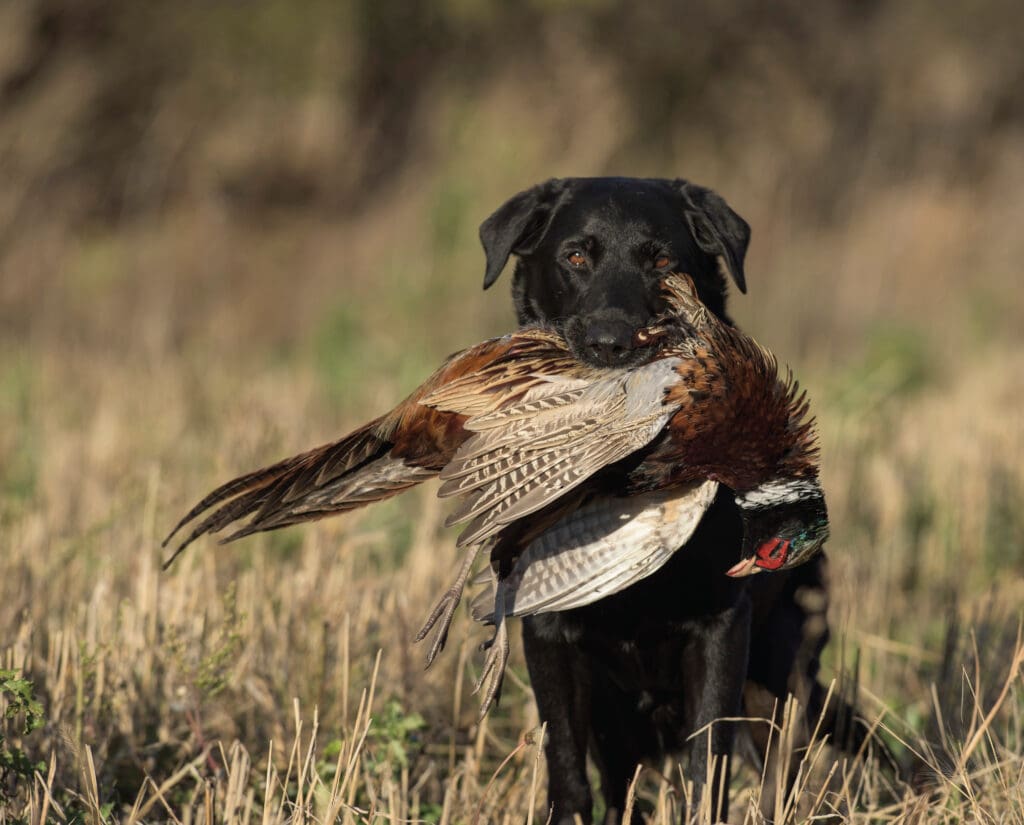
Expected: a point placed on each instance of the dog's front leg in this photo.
(723, 647)
(561, 685)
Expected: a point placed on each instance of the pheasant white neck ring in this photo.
(779, 491)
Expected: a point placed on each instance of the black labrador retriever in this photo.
(634, 676)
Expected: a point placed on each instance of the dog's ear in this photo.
(518, 225)
(716, 228)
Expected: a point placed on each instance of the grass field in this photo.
(241, 684)
(149, 355)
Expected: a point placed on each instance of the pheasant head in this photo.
(785, 524)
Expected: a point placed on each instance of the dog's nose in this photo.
(608, 342)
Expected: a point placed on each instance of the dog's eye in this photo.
(662, 262)
(576, 259)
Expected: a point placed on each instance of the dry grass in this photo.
(240, 685)
(145, 359)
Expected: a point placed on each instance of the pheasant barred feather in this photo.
(523, 457)
(600, 548)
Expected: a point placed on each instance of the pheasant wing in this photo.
(390, 454)
(596, 550)
(524, 456)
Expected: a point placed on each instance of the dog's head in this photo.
(592, 253)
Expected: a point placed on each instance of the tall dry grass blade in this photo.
(824, 789)
(346, 631)
(158, 796)
(981, 730)
(538, 742)
(170, 782)
(335, 793)
(774, 736)
(92, 788)
(268, 785)
(460, 671)
(47, 789)
(292, 765)
(791, 795)
(523, 743)
(627, 810)
(237, 767)
(307, 777)
(209, 816)
(343, 792)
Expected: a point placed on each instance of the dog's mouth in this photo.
(633, 348)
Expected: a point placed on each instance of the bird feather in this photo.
(600, 548)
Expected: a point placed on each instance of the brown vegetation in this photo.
(230, 231)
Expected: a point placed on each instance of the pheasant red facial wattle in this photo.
(772, 554)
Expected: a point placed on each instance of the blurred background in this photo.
(233, 230)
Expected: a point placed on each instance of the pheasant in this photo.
(722, 415)
(579, 480)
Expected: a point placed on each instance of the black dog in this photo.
(634, 675)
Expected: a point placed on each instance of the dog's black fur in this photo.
(633, 676)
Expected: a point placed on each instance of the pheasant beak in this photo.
(745, 567)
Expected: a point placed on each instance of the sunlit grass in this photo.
(232, 687)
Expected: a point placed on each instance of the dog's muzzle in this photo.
(608, 342)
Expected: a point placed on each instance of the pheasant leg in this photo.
(444, 610)
(493, 673)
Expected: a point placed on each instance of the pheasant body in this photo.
(579, 480)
